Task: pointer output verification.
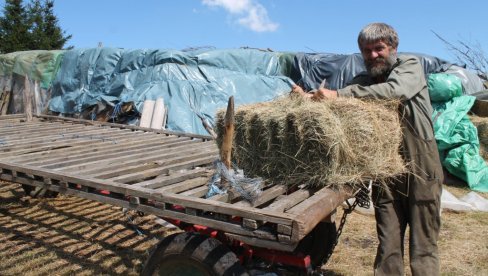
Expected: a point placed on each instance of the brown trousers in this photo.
(423, 220)
(413, 200)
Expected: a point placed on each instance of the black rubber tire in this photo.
(318, 243)
(192, 254)
(37, 192)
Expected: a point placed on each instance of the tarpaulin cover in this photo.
(194, 84)
(456, 136)
(310, 70)
(40, 65)
(444, 87)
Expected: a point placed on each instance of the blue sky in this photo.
(282, 25)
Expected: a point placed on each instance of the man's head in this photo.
(378, 43)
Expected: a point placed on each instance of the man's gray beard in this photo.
(382, 69)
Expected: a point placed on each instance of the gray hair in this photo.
(378, 31)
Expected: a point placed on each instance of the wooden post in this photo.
(27, 99)
(5, 102)
(226, 150)
(157, 121)
(147, 111)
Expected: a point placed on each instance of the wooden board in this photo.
(154, 171)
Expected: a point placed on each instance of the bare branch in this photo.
(470, 54)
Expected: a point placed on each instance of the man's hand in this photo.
(324, 94)
(318, 95)
(299, 91)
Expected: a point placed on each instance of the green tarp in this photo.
(38, 65)
(457, 137)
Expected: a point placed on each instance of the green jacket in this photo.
(406, 82)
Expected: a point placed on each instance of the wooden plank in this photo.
(223, 208)
(31, 137)
(50, 146)
(180, 162)
(196, 192)
(181, 134)
(281, 203)
(75, 148)
(86, 181)
(184, 185)
(50, 133)
(125, 143)
(175, 177)
(11, 117)
(264, 197)
(225, 197)
(21, 142)
(113, 167)
(105, 157)
(98, 146)
(288, 201)
(22, 128)
(314, 209)
(263, 243)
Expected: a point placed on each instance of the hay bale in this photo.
(481, 124)
(296, 141)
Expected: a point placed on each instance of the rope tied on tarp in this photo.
(117, 110)
(248, 188)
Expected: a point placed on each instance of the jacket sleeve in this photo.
(405, 81)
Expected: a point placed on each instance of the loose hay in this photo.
(296, 141)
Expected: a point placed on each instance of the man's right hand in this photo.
(297, 90)
(318, 95)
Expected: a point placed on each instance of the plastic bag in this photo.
(444, 87)
(458, 143)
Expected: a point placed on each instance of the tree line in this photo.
(31, 26)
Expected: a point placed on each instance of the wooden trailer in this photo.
(166, 174)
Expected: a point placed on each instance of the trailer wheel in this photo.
(192, 254)
(37, 192)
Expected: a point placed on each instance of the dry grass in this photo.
(67, 236)
(73, 236)
(297, 141)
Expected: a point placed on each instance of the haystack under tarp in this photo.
(297, 141)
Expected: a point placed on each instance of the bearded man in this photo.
(414, 198)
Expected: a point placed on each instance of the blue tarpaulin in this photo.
(194, 84)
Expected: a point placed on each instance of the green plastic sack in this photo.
(465, 161)
(444, 87)
(447, 117)
(458, 143)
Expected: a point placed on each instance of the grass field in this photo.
(74, 236)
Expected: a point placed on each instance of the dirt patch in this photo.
(68, 235)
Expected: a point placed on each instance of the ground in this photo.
(68, 235)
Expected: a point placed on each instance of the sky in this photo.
(282, 25)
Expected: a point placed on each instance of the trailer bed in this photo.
(154, 171)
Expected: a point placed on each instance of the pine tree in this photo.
(14, 27)
(45, 31)
(30, 28)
